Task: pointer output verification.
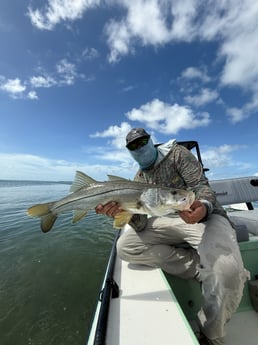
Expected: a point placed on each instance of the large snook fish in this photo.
(133, 197)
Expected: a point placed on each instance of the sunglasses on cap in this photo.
(137, 144)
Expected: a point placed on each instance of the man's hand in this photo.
(110, 209)
(196, 213)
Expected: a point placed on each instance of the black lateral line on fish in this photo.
(92, 195)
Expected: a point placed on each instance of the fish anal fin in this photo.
(81, 180)
(47, 222)
(121, 219)
(78, 215)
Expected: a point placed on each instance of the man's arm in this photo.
(192, 173)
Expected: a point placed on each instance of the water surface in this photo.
(49, 282)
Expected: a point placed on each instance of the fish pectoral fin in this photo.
(121, 219)
(78, 215)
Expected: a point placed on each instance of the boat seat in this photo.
(247, 218)
(242, 233)
(236, 190)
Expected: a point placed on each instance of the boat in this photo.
(139, 305)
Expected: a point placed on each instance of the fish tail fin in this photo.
(44, 211)
(47, 222)
(39, 210)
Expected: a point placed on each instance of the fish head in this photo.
(176, 199)
(161, 201)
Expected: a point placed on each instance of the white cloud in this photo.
(59, 10)
(32, 167)
(135, 27)
(232, 23)
(167, 118)
(14, 87)
(236, 30)
(236, 114)
(205, 96)
(90, 54)
(67, 72)
(195, 73)
(116, 133)
(128, 88)
(32, 95)
(222, 160)
(42, 81)
(170, 21)
(239, 114)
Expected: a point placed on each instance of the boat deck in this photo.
(147, 311)
(243, 329)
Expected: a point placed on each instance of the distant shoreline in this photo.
(35, 181)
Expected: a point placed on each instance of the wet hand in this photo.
(196, 213)
(110, 209)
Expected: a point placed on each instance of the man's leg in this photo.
(156, 246)
(222, 275)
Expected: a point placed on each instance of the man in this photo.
(213, 256)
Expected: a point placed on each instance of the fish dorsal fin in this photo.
(116, 178)
(81, 180)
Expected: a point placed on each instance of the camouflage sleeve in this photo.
(190, 169)
(139, 177)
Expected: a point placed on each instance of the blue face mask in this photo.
(146, 155)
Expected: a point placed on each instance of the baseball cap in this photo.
(136, 133)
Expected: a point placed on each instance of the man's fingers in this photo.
(110, 209)
(99, 208)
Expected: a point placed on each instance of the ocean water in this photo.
(49, 283)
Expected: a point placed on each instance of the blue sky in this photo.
(76, 76)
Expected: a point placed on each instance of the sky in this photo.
(77, 75)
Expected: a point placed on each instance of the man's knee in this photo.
(121, 249)
(125, 248)
(130, 248)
